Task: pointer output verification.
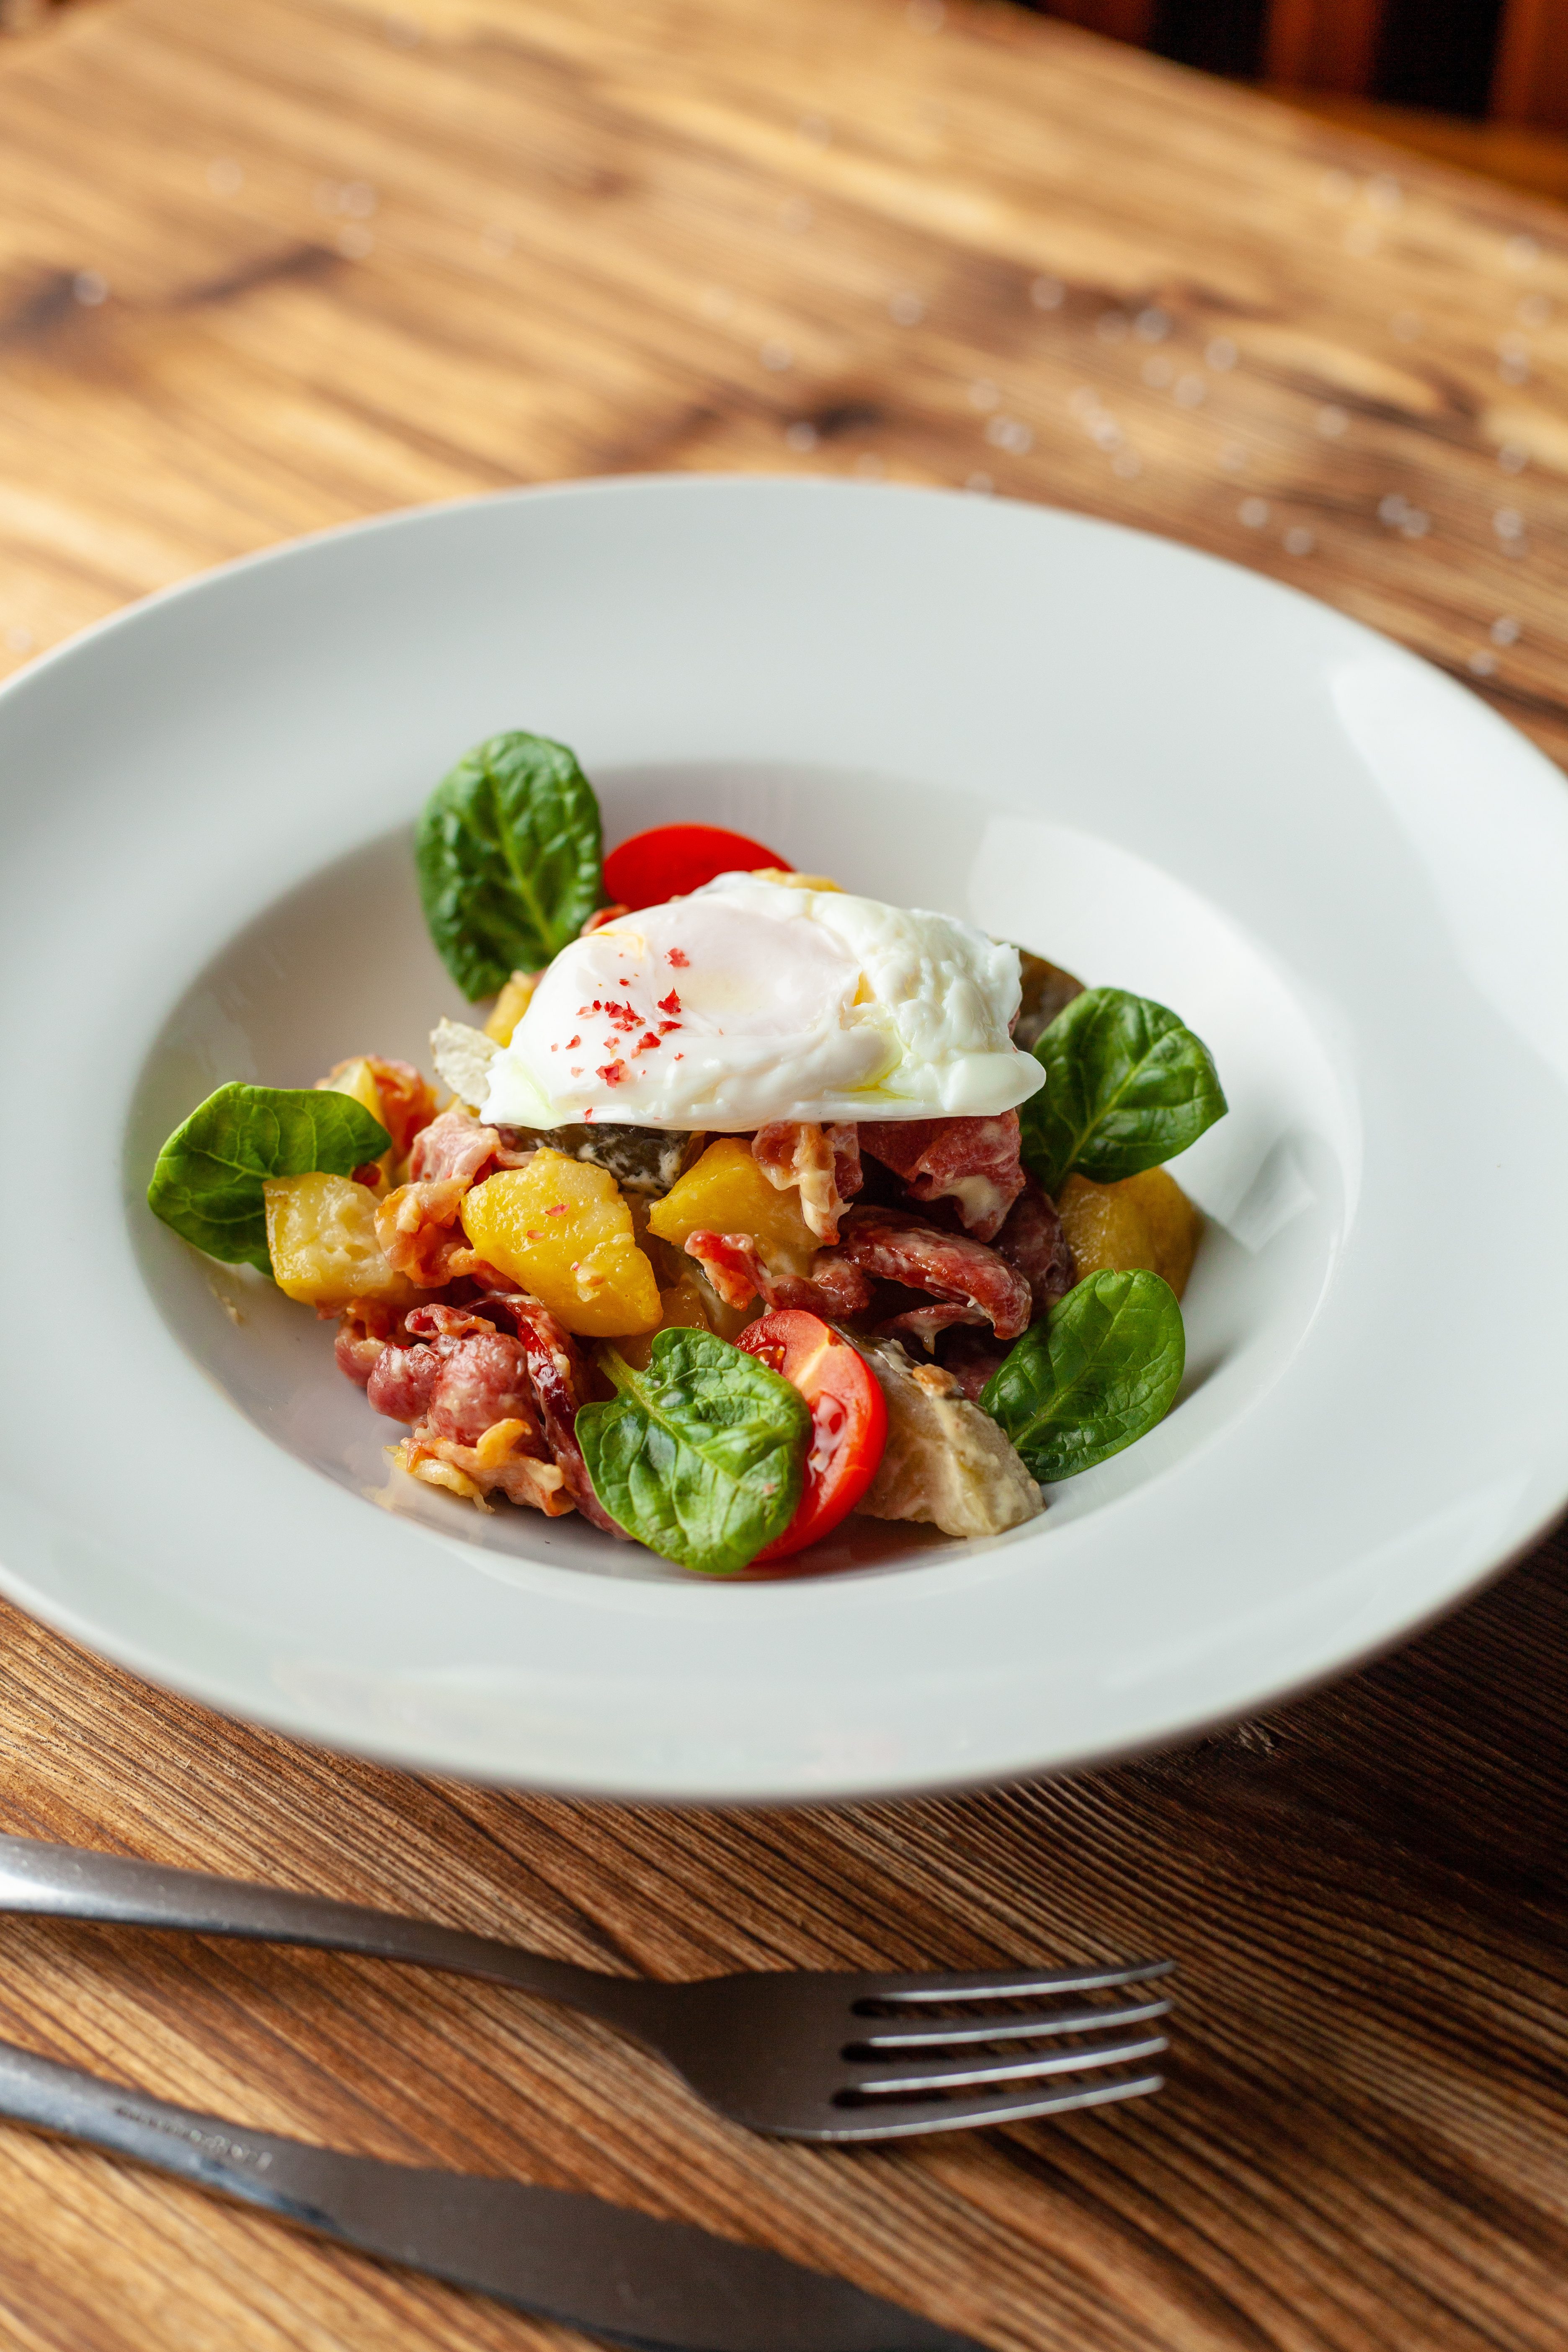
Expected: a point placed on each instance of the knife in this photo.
(660, 2286)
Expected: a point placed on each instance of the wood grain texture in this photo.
(278, 264)
(673, 236)
(1517, 153)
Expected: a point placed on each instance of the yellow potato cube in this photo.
(510, 1005)
(680, 1307)
(357, 1078)
(1143, 1221)
(560, 1229)
(727, 1193)
(320, 1237)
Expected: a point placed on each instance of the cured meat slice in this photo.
(737, 1272)
(973, 1162)
(364, 1327)
(847, 1172)
(453, 1148)
(560, 1385)
(1032, 1240)
(898, 1247)
(481, 1382)
(798, 1152)
(477, 1396)
(925, 1323)
(971, 1358)
(493, 1466)
(407, 1099)
(732, 1263)
(419, 1233)
(402, 1382)
(356, 1352)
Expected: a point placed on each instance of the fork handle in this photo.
(67, 1881)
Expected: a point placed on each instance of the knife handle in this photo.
(64, 1882)
(278, 2174)
(658, 2286)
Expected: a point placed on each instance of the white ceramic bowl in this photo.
(1340, 868)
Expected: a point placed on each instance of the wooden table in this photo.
(272, 263)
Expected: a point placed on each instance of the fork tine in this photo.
(993, 1985)
(962, 2074)
(950, 2033)
(876, 2122)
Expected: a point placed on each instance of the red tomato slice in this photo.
(671, 859)
(849, 1419)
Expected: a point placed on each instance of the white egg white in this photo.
(752, 1001)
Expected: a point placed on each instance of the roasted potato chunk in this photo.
(510, 1005)
(320, 1237)
(727, 1193)
(680, 1307)
(560, 1229)
(357, 1078)
(1143, 1221)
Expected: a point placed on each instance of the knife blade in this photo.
(658, 2286)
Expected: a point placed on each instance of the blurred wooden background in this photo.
(266, 265)
(1482, 84)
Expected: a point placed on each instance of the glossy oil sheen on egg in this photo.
(752, 1001)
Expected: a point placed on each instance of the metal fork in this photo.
(803, 2054)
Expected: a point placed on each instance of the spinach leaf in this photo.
(509, 852)
(1094, 1375)
(1127, 1087)
(700, 1457)
(207, 1182)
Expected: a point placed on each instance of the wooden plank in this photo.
(284, 262)
(1517, 153)
(555, 242)
(1530, 80)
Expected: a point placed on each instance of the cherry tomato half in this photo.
(849, 1419)
(671, 859)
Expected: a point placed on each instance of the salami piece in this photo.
(402, 1380)
(973, 1162)
(560, 1386)
(798, 1152)
(1032, 1240)
(737, 1272)
(895, 1246)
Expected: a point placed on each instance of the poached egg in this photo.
(753, 999)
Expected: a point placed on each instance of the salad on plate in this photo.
(751, 1204)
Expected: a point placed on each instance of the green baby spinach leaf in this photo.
(509, 853)
(701, 1456)
(207, 1182)
(1127, 1087)
(1092, 1376)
